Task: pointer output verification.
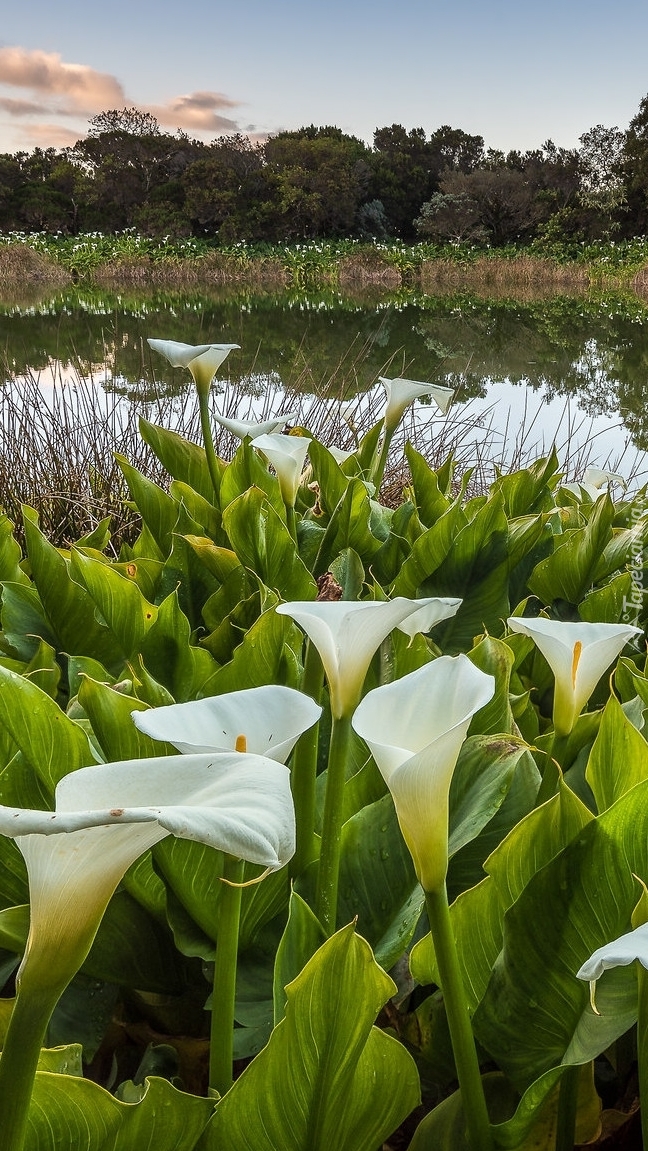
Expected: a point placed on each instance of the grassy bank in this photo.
(129, 260)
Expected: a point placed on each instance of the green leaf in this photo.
(172, 659)
(270, 653)
(127, 613)
(52, 744)
(183, 460)
(348, 528)
(569, 572)
(44, 670)
(347, 569)
(377, 879)
(75, 1113)
(109, 713)
(332, 481)
(302, 936)
(247, 471)
(429, 551)
(263, 543)
(431, 503)
(495, 658)
(10, 554)
(23, 620)
(480, 784)
(609, 603)
(328, 1078)
(618, 759)
(70, 610)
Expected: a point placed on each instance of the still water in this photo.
(569, 369)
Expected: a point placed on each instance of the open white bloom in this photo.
(620, 952)
(203, 360)
(401, 393)
(287, 455)
(339, 455)
(432, 611)
(578, 654)
(252, 428)
(346, 635)
(414, 728)
(595, 481)
(107, 815)
(262, 720)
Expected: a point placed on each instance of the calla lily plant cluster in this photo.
(292, 739)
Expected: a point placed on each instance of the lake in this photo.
(526, 372)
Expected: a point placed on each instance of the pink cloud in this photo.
(50, 135)
(76, 90)
(82, 88)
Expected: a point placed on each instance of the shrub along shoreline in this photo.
(128, 260)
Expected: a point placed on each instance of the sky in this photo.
(515, 73)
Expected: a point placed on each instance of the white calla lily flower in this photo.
(261, 720)
(253, 428)
(107, 815)
(595, 481)
(346, 635)
(339, 455)
(414, 728)
(401, 393)
(287, 455)
(203, 360)
(578, 654)
(432, 611)
(620, 952)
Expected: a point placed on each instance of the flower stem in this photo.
(221, 1053)
(212, 461)
(567, 1108)
(329, 865)
(463, 1043)
(303, 772)
(379, 470)
(24, 1039)
(291, 521)
(642, 1046)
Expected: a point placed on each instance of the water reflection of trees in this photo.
(592, 348)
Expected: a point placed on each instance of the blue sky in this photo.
(515, 73)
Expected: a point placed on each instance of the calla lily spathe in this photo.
(578, 654)
(414, 728)
(107, 815)
(595, 481)
(433, 611)
(287, 455)
(401, 393)
(203, 360)
(253, 428)
(265, 720)
(620, 952)
(346, 635)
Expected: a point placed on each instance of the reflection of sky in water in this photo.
(508, 427)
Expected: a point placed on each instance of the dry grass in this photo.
(59, 439)
(21, 267)
(528, 276)
(368, 269)
(213, 270)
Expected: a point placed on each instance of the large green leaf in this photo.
(270, 653)
(23, 620)
(429, 552)
(109, 713)
(302, 936)
(618, 759)
(127, 613)
(328, 1078)
(10, 554)
(52, 744)
(248, 471)
(168, 653)
(263, 543)
(349, 527)
(431, 503)
(78, 1115)
(157, 508)
(329, 475)
(183, 459)
(570, 570)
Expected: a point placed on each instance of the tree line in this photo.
(319, 182)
